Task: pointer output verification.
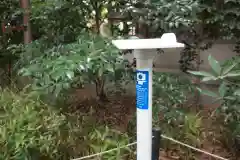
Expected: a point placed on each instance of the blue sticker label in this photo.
(142, 89)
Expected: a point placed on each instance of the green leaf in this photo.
(70, 74)
(58, 89)
(215, 65)
(110, 68)
(222, 89)
(227, 69)
(201, 73)
(208, 93)
(230, 98)
(100, 72)
(205, 79)
(24, 72)
(232, 74)
(56, 75)
(237, 92)
(66, 86)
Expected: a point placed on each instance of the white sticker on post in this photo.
(142, 89)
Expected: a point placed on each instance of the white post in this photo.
(144, 52)
(144, 60)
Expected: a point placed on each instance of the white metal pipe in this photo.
(144, 60)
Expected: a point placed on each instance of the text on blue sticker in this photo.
(142, 89)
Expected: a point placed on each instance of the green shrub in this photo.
(103, 139)
(91, 59)
(169, 91)
(228, 114)
(30, 129)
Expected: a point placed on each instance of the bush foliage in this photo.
(30, 129)
(91, 59)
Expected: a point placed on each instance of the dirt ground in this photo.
(119, 110)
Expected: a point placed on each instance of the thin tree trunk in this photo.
(97, 23)
(26, 21)
(97, 15)
(101, 95)
(198, 63)
(197, 82)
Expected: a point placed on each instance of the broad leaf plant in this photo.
(91, 59)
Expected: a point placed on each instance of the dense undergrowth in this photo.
(60, 134)
(31, 129)
(226, 116)
(70, 53)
